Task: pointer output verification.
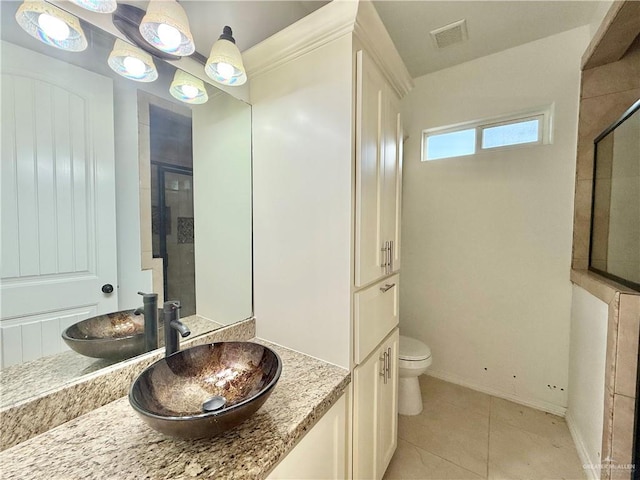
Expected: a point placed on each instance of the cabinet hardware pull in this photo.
(389, 363)
(385, 256)
(386, 366)
(387, 287)
(383, 371)
(391, 256)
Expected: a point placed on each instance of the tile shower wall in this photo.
(171, 140)
(181, 270)
(607, 91)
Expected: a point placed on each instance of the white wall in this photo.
(222, 204)
(131, 277)
(302, 151)
(585, 413)
(487, 238)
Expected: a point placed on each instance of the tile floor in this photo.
(464, 434)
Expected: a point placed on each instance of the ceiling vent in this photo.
(451, 34)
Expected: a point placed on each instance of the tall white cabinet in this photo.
(327, 176)
(378, 174)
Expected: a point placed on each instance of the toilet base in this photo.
(409, 396)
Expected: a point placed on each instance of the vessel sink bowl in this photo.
(205, 390)
(114, 336)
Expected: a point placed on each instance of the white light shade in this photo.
(188, 88)
(166, 27)
(99, 6)
(225, 61)
(132, 62)
(51, 25)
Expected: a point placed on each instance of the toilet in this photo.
(413, 360)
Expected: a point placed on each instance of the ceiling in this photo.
(492, 25)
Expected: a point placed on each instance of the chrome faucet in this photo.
(150, 312)
(173, 326)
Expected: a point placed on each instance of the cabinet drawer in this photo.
(375, 315)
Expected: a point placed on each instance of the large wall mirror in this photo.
(615, 224)
(112, 187)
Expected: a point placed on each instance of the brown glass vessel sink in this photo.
(205, 390)
(114, 336)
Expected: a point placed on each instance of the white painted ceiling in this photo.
(492, 25)
(252, 21)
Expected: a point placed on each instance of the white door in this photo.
(58, 201)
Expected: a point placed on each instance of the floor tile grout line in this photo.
(440, 457)
(494, 403)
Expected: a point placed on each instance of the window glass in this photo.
(527, 129)
(511, 134)
(453, 144)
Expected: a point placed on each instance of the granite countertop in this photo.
(113, 442)
(52, 407)
(19, 382)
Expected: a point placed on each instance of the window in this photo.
(453, 144)
(450, 142)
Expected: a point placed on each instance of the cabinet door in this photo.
(375, 412)
(397, 200)
(388, 405)
(390, 177)
(378, 174)
(322, 452)
(367, 378)
(368, 188)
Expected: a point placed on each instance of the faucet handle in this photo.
(145, 295)
(149, 297)
(172, 305)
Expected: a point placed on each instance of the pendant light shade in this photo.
(166, 27)
(132, 62)
(51, 25)
(188, 88)
(225, 61)
(99, 6)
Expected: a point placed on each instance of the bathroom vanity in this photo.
(113, 442)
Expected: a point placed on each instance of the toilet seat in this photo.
(413, 350)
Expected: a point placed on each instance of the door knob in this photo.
(107, 288)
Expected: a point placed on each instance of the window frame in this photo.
(543, 115)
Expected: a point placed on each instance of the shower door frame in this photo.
(164, 168)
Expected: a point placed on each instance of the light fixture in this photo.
(51, 25)
(99, 6)
(132, 63)
(166, 27)
(225, 61)
(188, 88)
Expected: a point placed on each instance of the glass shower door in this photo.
(173, 234)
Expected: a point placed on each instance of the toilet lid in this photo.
(413, 349)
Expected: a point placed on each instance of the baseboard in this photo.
(527, 402)
(591, 473)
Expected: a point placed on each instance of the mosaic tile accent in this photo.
(185, 229)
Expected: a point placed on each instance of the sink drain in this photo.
(214, 403)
